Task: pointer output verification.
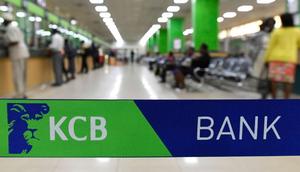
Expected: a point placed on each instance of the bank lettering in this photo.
(206, 129)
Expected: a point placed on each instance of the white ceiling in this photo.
(134, 17)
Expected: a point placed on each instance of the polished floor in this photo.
(130, 82)
(136, 82)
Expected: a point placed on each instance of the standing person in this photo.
(95, 55)
(84, 54)
(132, 55)
(70, 52)
(282, 55)
(57, 50)
(260, 71)
(18, 53)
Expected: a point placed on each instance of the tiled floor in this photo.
(136, 82)
(130, 82)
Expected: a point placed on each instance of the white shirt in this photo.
(57, 42)
(15, 35)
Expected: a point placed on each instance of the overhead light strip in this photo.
(108, 20)
(163, 19)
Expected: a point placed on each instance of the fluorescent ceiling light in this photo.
(31, 18)
(149, 34)
(106, 20)
(167, 15)
(245, 8)
(74, 22)
(162, 20)
(229, 15)
(173, 9)
(188, 32)
(21, 14)
(265, 1)
(4, 8)
(1, 20)
(101, 8)
(105, 15)
(181, 1)
(38, 19)
(14, 23)
(96, 1)
(220, 19)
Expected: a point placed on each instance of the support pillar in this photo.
(162, 40)
(175, 34)
(206, 28)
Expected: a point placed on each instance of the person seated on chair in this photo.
(202, 62)
(169, 66)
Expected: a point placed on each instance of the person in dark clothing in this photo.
(169, 66)
(84, 54)
(132, 54)
(95, 55)
(202, 62)
(70, 52)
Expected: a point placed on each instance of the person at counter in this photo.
(70, 53)
(18, 53)
(57, 50)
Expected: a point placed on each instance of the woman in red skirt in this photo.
(282, 55)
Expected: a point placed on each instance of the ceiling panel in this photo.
(134, 17)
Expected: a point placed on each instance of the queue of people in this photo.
(62, 51)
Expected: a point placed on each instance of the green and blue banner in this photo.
(146, 128)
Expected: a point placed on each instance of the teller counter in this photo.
(39, 72)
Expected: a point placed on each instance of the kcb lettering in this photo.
(97, 129)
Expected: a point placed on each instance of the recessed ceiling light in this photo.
(96, 1)
(181, 1)
(38, 19)
(173, 9)
(31, 18)
(105, 15)
(73, 22)
(101, 8)
(105, 20)
(4, 8)
(245, 8)
(167, 15)
(21, 14)
(220, 19)
(265, 1)
(229, 15)
(162, 20)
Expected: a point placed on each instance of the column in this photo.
(151, 44)
(162, 39)
(155, 44)
(205, 25)
(175, 34)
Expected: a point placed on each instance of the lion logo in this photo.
(22, 120)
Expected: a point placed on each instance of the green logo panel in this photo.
(57, 128)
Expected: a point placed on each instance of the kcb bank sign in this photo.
(143, 128)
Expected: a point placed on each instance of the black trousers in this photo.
(84, 65)
(167, 68)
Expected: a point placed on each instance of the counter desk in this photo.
(39, 72)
